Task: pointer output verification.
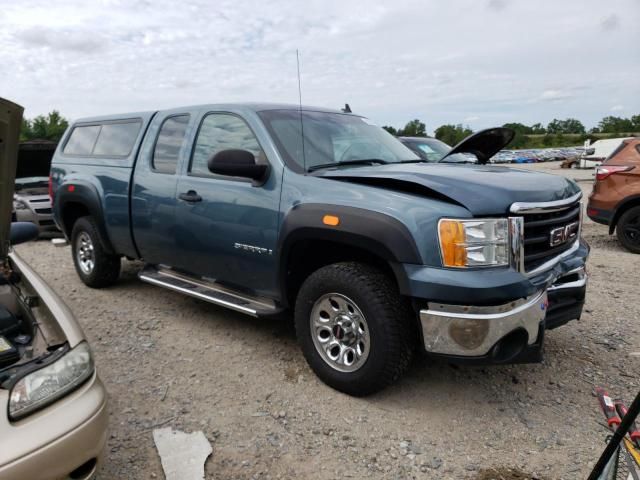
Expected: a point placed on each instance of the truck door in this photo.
(153, 196)
(227, 226)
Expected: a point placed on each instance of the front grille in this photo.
(537, 234)
(43, 211)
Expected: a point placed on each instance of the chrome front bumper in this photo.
(472, 331)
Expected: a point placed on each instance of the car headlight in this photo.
(19, 205)
(474, 242)
(49, 383)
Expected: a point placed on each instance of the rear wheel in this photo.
(628, 229)
(354, 327)
(95, 267)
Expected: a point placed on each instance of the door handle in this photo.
(191, 196)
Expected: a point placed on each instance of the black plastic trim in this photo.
(379, 234)
(564, 305)
(87, 195)
(626, 203)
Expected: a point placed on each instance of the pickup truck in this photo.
(265, 209)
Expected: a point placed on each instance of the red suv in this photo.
(615, 199)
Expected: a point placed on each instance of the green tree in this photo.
(518, 128)
(613, 124)
(569, 125)
(452, 134)
(49, 127)
(414, 128)
(538, 129)
(391, 130)
(520, 140)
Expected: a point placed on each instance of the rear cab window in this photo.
(109, 139)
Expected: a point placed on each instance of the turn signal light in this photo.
(331, 220)
(452, 239)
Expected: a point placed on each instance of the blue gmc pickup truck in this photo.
(269, 208)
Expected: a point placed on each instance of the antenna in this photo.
(304, 160)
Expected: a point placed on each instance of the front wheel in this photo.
(628, 229)
(95, 267)
(354, 328)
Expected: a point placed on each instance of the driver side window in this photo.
(222, 131)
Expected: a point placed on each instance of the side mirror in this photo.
(22, 232)
(237, 163)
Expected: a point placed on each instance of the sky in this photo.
(476, 62)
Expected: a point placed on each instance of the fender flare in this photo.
(86, 194)
(619, 210)
(379, 234)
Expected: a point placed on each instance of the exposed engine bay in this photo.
(29, 335)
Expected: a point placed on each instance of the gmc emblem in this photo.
(561, 235)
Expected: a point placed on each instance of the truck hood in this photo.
(481, 189)
(10, 120)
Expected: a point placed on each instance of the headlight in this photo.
(474, 242)
(19, 205)
(44, 386)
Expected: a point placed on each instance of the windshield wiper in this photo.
(419, 160)
(362, 161)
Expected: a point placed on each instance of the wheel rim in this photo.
(84, 253)
(631, 230)
(340, 332)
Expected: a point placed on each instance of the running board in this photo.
(208, 290)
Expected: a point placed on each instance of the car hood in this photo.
(483, 144)
(481, 189)
(10, 120)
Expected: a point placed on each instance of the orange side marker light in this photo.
(331, 220)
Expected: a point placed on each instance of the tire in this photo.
(628, 229)
(98, 269)
(384, 344)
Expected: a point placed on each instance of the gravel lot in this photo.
(168, 360)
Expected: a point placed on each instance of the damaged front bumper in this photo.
(504, 315)
(469, 330)
(508, 333)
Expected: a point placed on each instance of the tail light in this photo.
(603, 171)
(50, 188)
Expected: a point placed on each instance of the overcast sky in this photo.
(477, 62)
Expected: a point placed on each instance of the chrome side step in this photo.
(208, 290)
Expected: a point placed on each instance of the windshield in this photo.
(331, 138)
(432, 150)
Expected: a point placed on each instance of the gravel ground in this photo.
(168, 360)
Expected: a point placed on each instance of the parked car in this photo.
(433, 150)
(503, 156)
(615, 198)
(54, 419)
(31, 201)
(524, 156)
(269, 208)
(599, 151)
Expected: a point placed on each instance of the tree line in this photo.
(44, 127)
(557, 133)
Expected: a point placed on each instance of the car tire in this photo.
(95, 267)
(370, 323)
(628, 229)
